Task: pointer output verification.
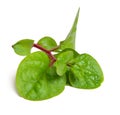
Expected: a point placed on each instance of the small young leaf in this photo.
(35, 80)
(23, 47)
(69, 42)
(85, 73)
(63, 59)
(47, 43)
(61, 68)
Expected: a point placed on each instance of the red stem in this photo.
(52, 58)
(54, 48)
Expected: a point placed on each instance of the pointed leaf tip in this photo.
(69, 42)
(23, 47)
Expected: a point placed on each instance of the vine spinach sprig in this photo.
(44, 74)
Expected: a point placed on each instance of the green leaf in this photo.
(69, 42)
(47, 43)
(85, 72)
(63, 59)
(61, 68)
(35, 80)
(23, 47)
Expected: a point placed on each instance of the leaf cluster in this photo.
(44, 74)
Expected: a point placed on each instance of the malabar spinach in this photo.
(36, 80)
(44, 74)
(23, 47)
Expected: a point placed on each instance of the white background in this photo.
(98, 34)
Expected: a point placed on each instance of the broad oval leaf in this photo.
(69, 41)
(47, 43)
(85, 72)
(35, 80)
(23, 47)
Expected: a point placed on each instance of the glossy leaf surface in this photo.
(44, 74)
(23, 47)
(85, 72)
(47, 43)
(35, 80)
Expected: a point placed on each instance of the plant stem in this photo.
(48, 52)
(54, 48)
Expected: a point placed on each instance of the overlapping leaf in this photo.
(85, 72)
(38, 79)
(63, 59)
(35, 80)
